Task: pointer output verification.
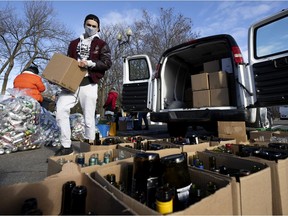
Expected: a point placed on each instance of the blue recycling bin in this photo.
(104, 129)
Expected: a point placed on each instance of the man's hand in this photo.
(82, 63)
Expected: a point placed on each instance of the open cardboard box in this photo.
(49, 195)
(279, 179)
(54, 165)
(219, 203)
(248, 193)
(86, 147)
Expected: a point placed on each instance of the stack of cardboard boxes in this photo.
(210, 88)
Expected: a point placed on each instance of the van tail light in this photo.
(238, 58)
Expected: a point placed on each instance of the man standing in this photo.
(93, 54)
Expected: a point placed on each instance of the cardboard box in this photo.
(262, 136)
(55, 163)
(279, 179)
(49, 195)
(201, 146)
(222, 141)
(201, 98)
(212, 66)
(234, 130)
(248, 195)
(200, 81)
(218, 80)
(64, 71)
(219, 203)
(219, 97)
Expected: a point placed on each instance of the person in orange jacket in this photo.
(30, 82)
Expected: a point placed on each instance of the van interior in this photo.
(199, 58)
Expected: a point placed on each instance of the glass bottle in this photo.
(66, 197)
(97, 139)
(146, 170)
(212, 163)
(80, 159)
(78, 200)
(111, 178)
(176, 174)
(93, 160)
(164, 199)
(195, 194)
(211, 188)
(30, 207)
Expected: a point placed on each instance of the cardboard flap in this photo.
(68, 169)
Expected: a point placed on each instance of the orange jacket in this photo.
(31, 83)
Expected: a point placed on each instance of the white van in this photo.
(206, 80)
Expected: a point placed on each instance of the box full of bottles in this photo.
(104, 143)
(69, 192)
(87, 160)
(188, 143)
(250, 177)
(150, 185)
(273, 153)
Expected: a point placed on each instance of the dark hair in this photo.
(33, 69)
(92, 17)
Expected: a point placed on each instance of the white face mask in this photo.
(90, 31)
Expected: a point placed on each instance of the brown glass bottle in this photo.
(66, 197)
(176, 174)
(30, 207)
(146, 170)
(78, 200)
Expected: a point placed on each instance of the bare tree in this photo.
(32, 39)
(153, 35)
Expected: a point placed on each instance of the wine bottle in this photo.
(176, 174)
(78, 200)
(164, 199)
(146, 170)
(66, 197)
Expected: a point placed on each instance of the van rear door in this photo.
(137, 84)
(268, 58)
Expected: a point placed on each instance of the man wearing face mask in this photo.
(94, 55)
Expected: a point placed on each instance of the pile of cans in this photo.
(25, 125)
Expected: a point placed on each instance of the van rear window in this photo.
(138, 69)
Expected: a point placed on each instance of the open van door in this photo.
(268, 58)
(137, 84)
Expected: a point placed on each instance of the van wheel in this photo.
(177, 129)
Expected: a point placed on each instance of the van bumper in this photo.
(199, 116)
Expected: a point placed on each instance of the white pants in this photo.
(87, 96)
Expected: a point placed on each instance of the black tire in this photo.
(177, 129)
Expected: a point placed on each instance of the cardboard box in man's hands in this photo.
(64, 71)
